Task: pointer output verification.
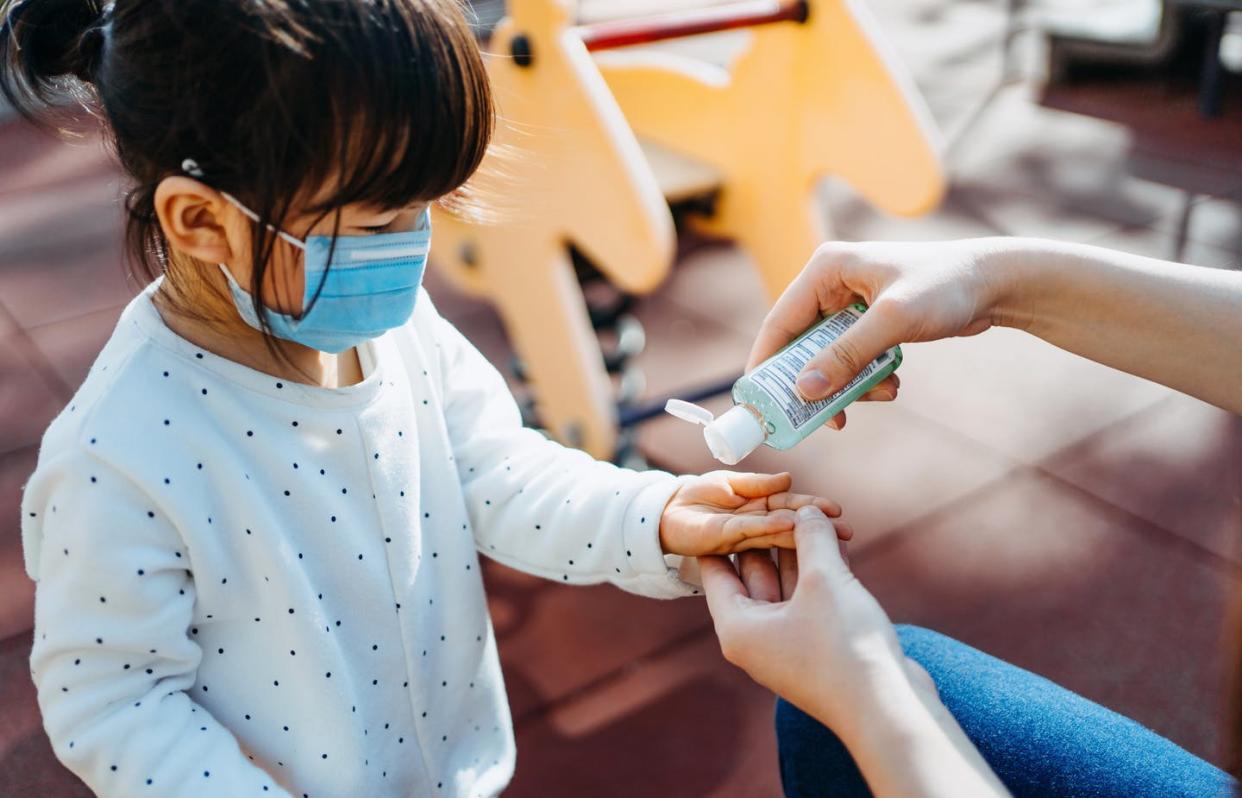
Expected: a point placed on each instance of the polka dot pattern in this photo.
(270, 520)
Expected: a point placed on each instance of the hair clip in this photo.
(14, 11)
(191, 168)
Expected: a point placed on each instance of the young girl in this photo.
(254, 528)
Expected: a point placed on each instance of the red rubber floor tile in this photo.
(683, 724)
(72, 345)
(555, 639)
(27, 764)
(1016, 394)
(28, 400)
(1056, 581)
(1177, 465)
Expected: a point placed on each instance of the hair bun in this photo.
(57, 38)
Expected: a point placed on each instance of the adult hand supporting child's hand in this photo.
(724, 512)
(809, 631)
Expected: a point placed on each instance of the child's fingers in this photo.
(782, 518)
(837, 422)
(792, 501)
(754, 486)
(740, 528)
(776, 540)
(827, 506)
(714, 489)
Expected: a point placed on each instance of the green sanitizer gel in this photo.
(767, 407)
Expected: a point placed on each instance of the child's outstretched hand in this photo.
(723, 512)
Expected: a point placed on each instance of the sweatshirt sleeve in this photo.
(541, 507)
(112, 657)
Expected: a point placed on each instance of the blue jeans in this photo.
(1041, 739)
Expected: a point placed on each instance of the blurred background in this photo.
(1068, 518)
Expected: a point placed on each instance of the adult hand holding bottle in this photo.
(1176, 324)
(825, 645)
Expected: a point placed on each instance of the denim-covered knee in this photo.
(793, 722)
(919, 640)
(934, 651)
(813, 761)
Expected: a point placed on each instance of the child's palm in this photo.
(723, 512)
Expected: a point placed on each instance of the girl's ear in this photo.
(195, 220)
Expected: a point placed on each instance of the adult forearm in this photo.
(908, 744)
(1176, 324)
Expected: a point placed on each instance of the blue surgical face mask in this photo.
(369, 285)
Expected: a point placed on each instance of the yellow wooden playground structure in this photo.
(601, 129)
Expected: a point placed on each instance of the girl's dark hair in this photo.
(386, 101)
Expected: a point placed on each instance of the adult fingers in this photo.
(818, 289)
(795, 501)
(759, 575)
(884, 391)
(787, 564)
(879, 329)
(722, 586)
(818, 547)
(792, 501)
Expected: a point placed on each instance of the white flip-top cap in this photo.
(734, 435)
(731, 437)
(688, 411)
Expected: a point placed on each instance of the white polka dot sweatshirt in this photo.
(248, 586)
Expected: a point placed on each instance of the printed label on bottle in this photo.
(778, 376)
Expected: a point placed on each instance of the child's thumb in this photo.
(757, 486)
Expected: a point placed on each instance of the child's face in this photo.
(200, 222)
(283, 284)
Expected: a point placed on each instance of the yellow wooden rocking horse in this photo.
(813, 94)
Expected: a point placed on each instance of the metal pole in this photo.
(644, 30)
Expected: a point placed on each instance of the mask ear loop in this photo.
(191, 168)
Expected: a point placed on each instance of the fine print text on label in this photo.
(778, 377)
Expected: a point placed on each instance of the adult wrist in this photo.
(879, 704)
(907, 725)
(1017, 273)
(899, 711)
(914, 746)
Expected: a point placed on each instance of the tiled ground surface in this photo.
(1077, 521)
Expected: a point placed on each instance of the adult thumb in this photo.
(839, 363)
(817, 544)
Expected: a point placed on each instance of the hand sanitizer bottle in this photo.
(767, 406)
